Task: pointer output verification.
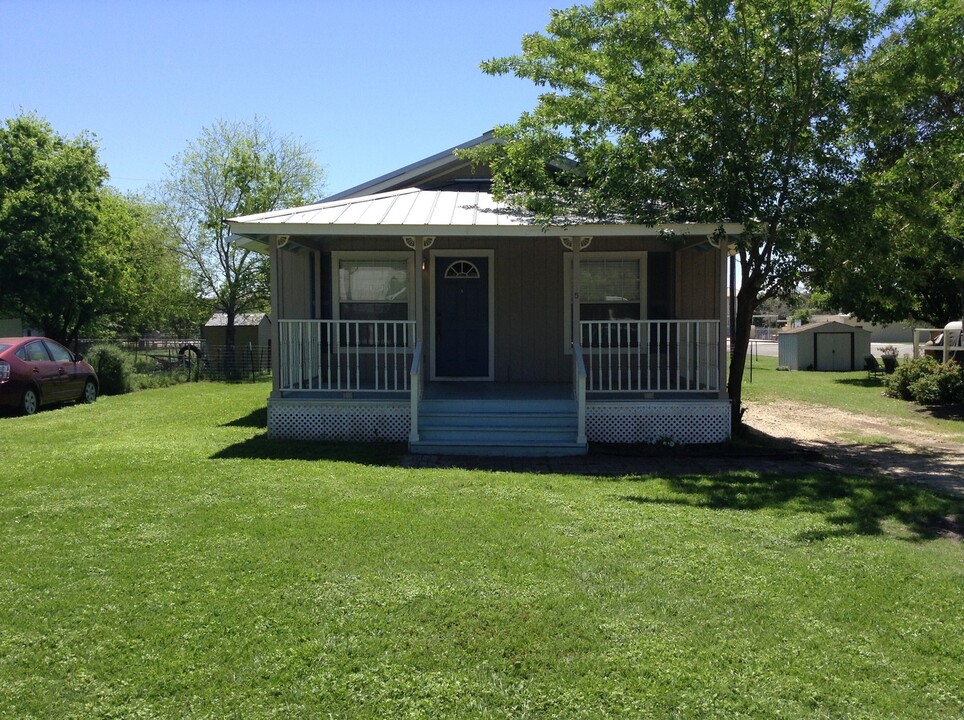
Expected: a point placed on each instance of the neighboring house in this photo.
(250, 329)
(416, 308)
(826, 346)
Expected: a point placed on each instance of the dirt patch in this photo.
(907, 450)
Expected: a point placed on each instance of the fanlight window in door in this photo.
(462, 270)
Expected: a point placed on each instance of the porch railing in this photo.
(345, 355)
(632, 356)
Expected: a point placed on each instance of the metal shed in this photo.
(249, 329)
(827, 346)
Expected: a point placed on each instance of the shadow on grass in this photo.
(257, 418)
(862, 382)
(261, 447)
(850, 505)
(943, 412)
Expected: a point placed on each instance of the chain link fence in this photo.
(191, 359)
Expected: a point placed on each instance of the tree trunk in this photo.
(740, 341)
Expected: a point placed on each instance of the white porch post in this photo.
(576, 245)
(277, 309)
(724, 257)
(419, 245)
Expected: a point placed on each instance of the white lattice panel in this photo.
(687, 422)
(358, 422)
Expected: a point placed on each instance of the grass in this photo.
(852, 391)
(163, 559)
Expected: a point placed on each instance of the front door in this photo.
(462, 317)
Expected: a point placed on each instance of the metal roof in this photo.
(414, 174)
(240, 320)
(463, 210)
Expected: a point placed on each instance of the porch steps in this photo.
(498, 427)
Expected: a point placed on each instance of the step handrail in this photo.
(579, 388)
(415, 388)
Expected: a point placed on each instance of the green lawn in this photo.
(161, 558)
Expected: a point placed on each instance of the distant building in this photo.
(11, 327)
(892, 333)
(828, 346)
(249, 329)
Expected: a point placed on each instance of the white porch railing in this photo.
(345, 355)
(632, 356)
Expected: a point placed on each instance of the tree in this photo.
(149, 287)
(233, 169)
(893, 243)
(50, 268)
(689, 110)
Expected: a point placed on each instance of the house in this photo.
(250, 329)
(827, 346)
(416, 308)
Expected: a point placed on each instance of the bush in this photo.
(944, 387)
(113, 368)
(928, 382)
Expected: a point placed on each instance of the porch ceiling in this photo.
(414, 211)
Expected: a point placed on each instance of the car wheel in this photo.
(30, 402)
(90, 392)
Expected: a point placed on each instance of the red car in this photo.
(35, 371)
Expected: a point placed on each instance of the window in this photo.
(33, 352)
(612, 287)
(58, 352)
(372, 287)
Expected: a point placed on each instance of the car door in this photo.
(70, 382)
(44, 371)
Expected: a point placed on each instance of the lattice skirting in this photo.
(359, 422)
(652, 421)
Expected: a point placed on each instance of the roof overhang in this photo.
(440, 213)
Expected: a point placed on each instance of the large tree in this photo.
(51, 270)
(893, 243)
(233, 168)
(148, 286)
(690, 110)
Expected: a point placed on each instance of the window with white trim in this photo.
(612, 287)
(373, 287)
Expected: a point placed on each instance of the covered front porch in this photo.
(631, 381)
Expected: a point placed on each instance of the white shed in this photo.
(828, 346)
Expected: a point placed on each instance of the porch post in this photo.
(576, 271)
(419, 245)
(274, 268)
(724, 325)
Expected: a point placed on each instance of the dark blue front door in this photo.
(462, 317)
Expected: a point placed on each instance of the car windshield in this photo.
(3, 347)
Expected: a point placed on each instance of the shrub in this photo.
(113, 368)
(898, 384)
(928, 382)
(943, 387)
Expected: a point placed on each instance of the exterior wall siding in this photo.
(697, 277)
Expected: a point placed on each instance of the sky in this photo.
(369, 85)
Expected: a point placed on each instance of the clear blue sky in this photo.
(371, 85)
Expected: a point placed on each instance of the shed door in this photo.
(462, 317)
(834, 352)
